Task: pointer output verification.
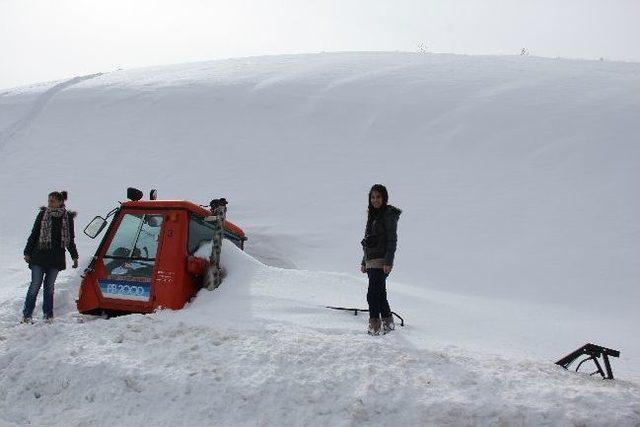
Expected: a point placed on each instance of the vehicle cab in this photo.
(146, 259)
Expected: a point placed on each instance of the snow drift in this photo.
(263, 349)
(518, 243)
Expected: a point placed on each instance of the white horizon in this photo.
(44, 41)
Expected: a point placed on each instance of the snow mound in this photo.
(518, 243)
(262, 349)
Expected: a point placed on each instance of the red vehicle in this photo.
(146, 259)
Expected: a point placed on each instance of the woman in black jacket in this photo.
(379, 246)
(45, 252)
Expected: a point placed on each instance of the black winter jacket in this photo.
(55, 256)
(381, 235)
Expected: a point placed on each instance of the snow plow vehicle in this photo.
(146, 259)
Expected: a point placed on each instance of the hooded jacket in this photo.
(53, 257)
(381, 235)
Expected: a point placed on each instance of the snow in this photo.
(518, 242)
(263, 350)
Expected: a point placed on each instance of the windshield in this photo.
(133, 249)
(136, 237)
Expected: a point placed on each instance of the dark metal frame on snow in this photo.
(594, 352)
(356, 310)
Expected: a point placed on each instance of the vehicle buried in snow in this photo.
(146, 259)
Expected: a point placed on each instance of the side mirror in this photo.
(95, 227)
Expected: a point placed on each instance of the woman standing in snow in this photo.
(379, 246)
(45, 252)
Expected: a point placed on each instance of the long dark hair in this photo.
(378, 188)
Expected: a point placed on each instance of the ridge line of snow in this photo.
(40, 103)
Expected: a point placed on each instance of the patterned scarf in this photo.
(45, 227)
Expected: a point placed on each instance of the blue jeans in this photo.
(38, 275)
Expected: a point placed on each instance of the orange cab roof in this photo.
(167, 204)
(179, 204)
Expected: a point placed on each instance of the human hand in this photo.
(27, 259)
(75, 263)
(363, 269)
(386, 269)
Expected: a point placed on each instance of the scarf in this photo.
(45, 228)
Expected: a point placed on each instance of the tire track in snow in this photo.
(38, 106)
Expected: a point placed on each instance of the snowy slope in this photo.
(263, 350)
(518, 242)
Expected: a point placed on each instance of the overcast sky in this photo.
(43, 40)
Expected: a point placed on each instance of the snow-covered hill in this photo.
(264, 350)
(518, 177)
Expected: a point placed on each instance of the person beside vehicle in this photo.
(52, 233)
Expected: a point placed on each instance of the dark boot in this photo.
(374, 326)
(387, 324)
